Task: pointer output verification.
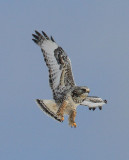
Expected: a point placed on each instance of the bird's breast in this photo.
(70, 106)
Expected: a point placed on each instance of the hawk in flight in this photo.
(66, 94)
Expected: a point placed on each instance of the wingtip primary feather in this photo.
(38, 33)
(105, 101)
(52, 39)
(38, 101)
(36, 37)
(45, 35)
(35, 41)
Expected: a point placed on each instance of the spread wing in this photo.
(58, 63)
(93, 102)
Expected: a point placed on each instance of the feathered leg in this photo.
(72, 119)
(60, 112)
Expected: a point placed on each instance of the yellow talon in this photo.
(62, 118)
(74, 125)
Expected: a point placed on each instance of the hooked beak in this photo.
(88, 90)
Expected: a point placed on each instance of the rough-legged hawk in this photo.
(66, 94)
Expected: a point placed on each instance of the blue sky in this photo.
(95, 35)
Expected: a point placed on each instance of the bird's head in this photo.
(79, 94)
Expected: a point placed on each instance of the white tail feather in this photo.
(49, 107)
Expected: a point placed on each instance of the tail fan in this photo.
(49, 107)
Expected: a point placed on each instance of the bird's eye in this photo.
(84, 90)
(74, 93)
